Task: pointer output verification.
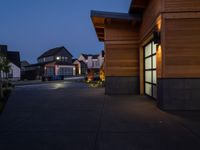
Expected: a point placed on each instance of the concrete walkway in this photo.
(71, 116)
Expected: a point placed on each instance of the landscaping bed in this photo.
(96, 84)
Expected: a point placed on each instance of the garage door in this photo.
(150, 70)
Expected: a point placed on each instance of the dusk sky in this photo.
(33, 26)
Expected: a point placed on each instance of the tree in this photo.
(2, 60)
(4, 68)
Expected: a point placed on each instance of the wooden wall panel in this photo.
(181, 5)
(120, 31)
(150, 16)
(122, 49)
(182, 48)
(122, 60)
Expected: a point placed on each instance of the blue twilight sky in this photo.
(33, 26)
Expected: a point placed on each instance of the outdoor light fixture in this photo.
(58, 58)
(156, 37)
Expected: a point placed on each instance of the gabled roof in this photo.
(85, 56)
(82, 62)
(73, 60)
(94, 56)
(14, 57)
(53, 52)
(24, 63)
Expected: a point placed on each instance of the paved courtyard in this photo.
(71, 116)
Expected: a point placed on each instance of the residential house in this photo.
(54, 63)
(153, 50)
(93, 61)
(24, 63)
(80, 67)
(15, 66)
(14, 58)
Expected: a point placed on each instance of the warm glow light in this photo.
(159, 24)
(159, 47)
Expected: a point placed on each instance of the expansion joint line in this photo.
(99, 125)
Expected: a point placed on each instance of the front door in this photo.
(150, 70)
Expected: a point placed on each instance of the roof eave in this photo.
(101, 18)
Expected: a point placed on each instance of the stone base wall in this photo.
(122, 85)
(179, 94)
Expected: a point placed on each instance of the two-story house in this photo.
(80, 67)
(56, 62)
(94, 62)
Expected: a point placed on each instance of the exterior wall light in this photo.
(156, 37)
(57, 58)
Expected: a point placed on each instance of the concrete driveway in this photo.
(71, 116)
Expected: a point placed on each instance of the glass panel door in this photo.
(150, 70)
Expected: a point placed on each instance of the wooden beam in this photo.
(98, 25)
(100, 34)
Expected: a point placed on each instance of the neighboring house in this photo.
(154, 49)
(92, 61)
(56, 62)
(24, 63)
(15, 66)
(15, 69)
(80, 67)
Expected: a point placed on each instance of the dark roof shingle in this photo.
(94, 56)
(53, 51)
(14, 57)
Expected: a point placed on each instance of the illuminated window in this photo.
(150, 69)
